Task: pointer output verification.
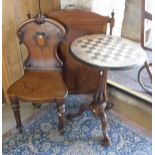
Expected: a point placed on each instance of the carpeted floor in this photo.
(82, 136)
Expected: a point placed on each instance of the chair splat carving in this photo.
(41, 38)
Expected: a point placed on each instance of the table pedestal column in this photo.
(98, 106)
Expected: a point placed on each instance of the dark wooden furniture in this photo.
(78, 77)
(105, 52)
(81, 78)
(42, 81)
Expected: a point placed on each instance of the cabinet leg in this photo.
(37, 105)
(61, 115)
(83, 108)
(15, 108)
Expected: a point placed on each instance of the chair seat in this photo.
(39, 86)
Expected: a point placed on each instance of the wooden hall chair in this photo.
(42, 81)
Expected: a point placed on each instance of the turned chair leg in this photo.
(61, 115)
(15, 108)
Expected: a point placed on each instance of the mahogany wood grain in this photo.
(39, 87)
(78, 77)
(42, 80)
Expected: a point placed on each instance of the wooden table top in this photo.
(108, 52)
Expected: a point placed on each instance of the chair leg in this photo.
(61, 114)
(37, 105)
(15, 108)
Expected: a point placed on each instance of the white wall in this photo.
(103, 7)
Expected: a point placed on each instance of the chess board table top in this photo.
(108, 52)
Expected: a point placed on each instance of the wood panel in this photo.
(10, 46)
(33, 7)
(20, 16)
(45, 7)
(14, 13)
(5, 81)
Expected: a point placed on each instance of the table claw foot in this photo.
(104, 123)
(106, 141)
(109, 106)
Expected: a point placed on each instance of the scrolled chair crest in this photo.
(39, 19)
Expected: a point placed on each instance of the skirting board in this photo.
(130, 91)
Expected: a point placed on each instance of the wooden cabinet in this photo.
(14, 13)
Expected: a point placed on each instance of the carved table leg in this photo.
(103, 118)
(15, 108)
(61, 114)
(100, 99)
(103, 83)
(98, 106)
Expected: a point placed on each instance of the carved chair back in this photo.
(41, 37)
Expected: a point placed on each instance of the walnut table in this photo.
(105, 52)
